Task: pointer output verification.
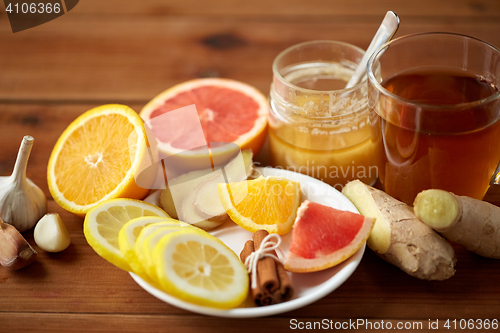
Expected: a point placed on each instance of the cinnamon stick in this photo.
(260, 296)
(285, 292)
(266, 266)
(274, 277)
(273, 283)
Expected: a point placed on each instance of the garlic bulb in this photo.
(15, 251)
(22, 203)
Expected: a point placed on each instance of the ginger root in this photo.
(399, 237)
(472, 223)
(193, 198)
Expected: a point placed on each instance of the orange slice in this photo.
(97, 158)
(227, 110)
(323, 237)
(264, 203)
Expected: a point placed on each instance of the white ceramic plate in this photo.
(309, 287)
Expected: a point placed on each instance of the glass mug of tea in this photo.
(434, 114)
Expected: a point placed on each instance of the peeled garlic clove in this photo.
(51, 234)
(15, 251)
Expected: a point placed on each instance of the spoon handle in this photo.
(385, 32)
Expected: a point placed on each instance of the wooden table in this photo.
(127, 51)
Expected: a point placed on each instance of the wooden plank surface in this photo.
(131, 59)
(124, 51)
(262, 9)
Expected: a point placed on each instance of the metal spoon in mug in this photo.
(385, 32)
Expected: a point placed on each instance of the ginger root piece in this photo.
(399, 237)
(472, 223)
(207, 200)
(189, 213)
(193, 198)
(182, 186)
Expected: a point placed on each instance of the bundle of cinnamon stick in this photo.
(273, 283)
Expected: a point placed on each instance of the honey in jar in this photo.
(316, 126)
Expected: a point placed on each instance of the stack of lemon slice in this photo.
(183, 260)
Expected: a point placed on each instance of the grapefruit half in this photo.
(229, 111)
(323, 237)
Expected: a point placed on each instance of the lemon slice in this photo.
(264, 203)
(148, 246)
(199, 268)
(140, 243)
(128, 235)
(103, 223)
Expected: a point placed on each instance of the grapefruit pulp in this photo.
(323, 237)
(228, 111)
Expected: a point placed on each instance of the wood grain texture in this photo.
(121, 59)
(77, 283)
(125, 51)
(261, 9)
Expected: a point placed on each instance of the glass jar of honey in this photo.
(316, 126)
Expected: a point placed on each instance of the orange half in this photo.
(97, 158)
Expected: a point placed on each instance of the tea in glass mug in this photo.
(434, 107)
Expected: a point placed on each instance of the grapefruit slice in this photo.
(323, 237)
(229, 111)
